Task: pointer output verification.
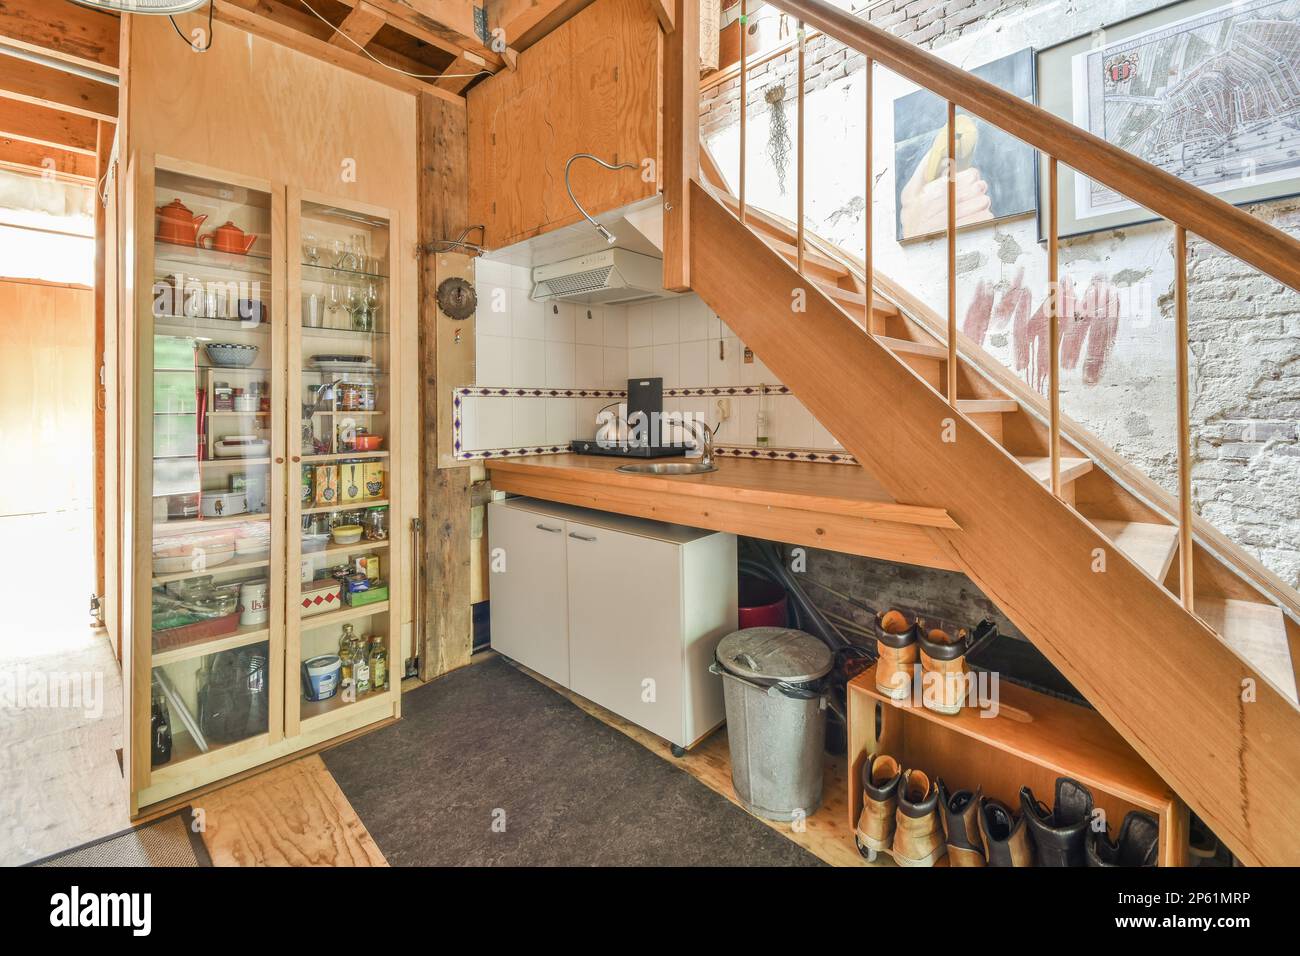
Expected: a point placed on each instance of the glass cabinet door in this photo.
(341, 629)
(216, 361)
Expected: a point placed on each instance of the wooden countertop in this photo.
(847, 490)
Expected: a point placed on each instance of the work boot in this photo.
(1060, 835)
(943, 669)
(896, 653)
(1006, 838)
(1138, 844)
(918, 840)
(961, 826)
(880, 776)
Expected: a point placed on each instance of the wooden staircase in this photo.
(1090, 577)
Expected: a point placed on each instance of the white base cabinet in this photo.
(623, 611)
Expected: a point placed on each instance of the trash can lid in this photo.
(768, 654)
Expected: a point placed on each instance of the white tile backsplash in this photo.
(560, 365)
(527, 344)
(527, 363)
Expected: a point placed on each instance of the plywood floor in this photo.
(292, 815)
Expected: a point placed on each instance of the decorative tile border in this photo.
(731, 451)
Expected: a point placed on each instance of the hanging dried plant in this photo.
(778, 135)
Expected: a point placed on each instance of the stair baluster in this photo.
(799, 243)
(744, 77)
(952, 254)
(869, 280)
(1054, 326)
(1185, 588)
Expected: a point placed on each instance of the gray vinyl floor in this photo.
(490, 767)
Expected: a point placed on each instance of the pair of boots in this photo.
(1063, 835)
(900, 813)
(982, 831)
(902, 640)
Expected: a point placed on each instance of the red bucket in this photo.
(762, 603)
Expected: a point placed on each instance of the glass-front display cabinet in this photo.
(264, 476)
(342, 625)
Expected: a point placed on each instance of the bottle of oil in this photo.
(346, 643)
(361, 666)
(378, 663)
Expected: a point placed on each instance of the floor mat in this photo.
(490, 767)
(171, 840)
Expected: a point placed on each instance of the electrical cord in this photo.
(188, 41)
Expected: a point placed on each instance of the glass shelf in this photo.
(319, 273)
(209, 259)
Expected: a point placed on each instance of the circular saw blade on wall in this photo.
(456, 298)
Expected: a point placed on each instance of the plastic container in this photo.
(776, 718)
(762, 603)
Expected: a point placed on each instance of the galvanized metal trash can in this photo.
(776, 718)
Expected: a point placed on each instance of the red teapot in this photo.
(229, 238)
(177, 225)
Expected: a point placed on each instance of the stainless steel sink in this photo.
(667, 468)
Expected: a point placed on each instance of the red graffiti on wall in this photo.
(1088, 326)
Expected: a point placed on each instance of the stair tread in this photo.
(1255, 631)
(1150, 545)
(907, 346)
(987, 406)
(789, 251)
(1041, 468)
(849, 297)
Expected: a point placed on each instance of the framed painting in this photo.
(1207, 90)
(996, 172)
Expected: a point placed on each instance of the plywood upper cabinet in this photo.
(591, 86)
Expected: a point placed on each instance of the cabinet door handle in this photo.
(542, 527)
(580, 537)
(279, 461)
(297, 458)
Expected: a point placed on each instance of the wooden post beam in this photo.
(681, 142)
(447, 640)
(45, 160)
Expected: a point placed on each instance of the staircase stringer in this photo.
(1163, 679)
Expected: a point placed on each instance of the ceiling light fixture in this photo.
(161, 8)
(600, 228)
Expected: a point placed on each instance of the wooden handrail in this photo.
(1233, 230)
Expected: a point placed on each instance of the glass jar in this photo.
(376, 523)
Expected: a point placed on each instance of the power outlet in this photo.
(724, 409)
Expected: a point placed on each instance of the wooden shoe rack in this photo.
(1033, 740)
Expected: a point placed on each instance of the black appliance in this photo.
(234, 694)
(645, 406)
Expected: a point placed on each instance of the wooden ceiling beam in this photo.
(45, 160)
(359, 26)
(464, 70)
(63, 30)
(524, 22)
(31, 82)
(46, 127)
(283, 25)
(445, 24)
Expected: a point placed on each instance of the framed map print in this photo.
(1207, 90)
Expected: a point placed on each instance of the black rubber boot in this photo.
(1060, 834)
(1138, 844)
